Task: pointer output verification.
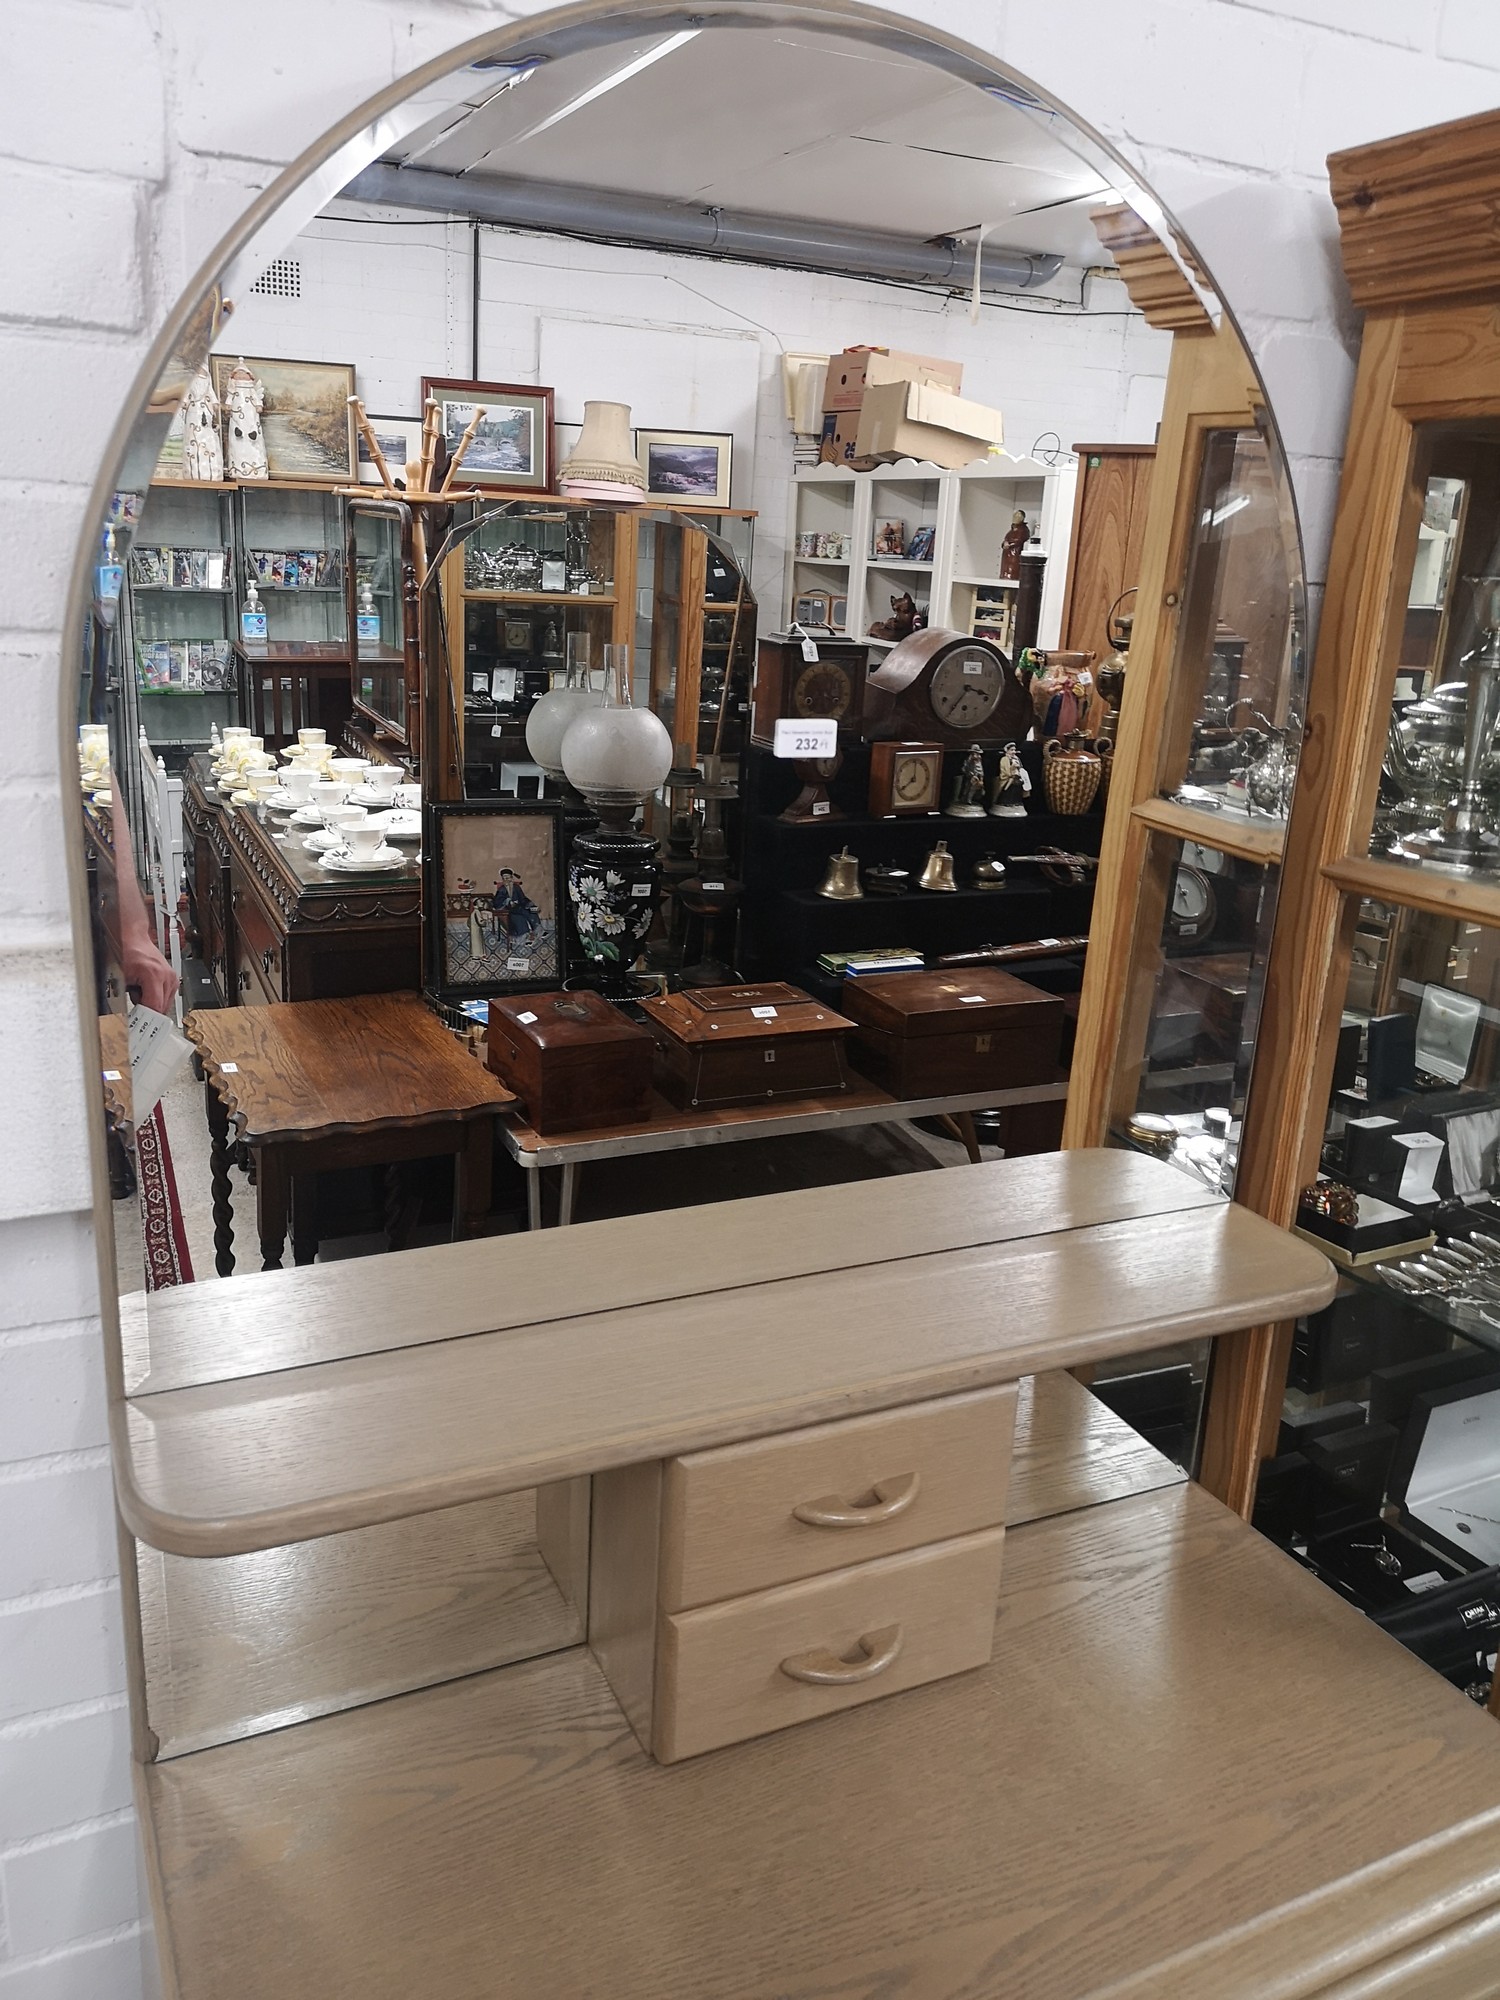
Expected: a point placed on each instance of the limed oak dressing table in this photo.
(1113, 1803)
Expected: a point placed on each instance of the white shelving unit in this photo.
(968, 512)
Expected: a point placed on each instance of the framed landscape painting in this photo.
(686, 466)
(512, 449)
(306, 420)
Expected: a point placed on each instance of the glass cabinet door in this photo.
(377, 561)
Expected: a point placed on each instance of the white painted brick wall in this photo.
(133, 132)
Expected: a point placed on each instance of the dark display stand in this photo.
(786, 923)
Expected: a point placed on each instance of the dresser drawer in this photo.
(865, 1487)
(760, 1663)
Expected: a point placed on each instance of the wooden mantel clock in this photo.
(947, 685)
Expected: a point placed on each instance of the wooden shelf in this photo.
(1226, 833)
(841, 1300)
(1113, 1804)
(1444, 894)
(535, 597)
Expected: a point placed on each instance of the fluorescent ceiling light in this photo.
(467, 111)
(610, 82)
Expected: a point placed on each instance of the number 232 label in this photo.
(795, 738)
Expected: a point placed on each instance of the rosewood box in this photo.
(924, 1034)
(722, 1045)
(574, 1061)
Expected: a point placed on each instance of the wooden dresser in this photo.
(205, 823)
(298, 931)
(1181, 1769)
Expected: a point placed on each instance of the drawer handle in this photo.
(892, 1497)
(880, 1650)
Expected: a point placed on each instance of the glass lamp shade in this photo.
(550, 720)
(615, 755)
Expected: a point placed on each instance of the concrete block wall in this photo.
(132, 132)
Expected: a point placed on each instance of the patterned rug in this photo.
(166, 1245)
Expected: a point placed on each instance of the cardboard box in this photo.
(860, 368)
(906, 420)
(840, 434)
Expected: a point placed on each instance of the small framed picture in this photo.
(494, 898)
(686, 466)
(889, 540)
(305, 416)
(920, 547)
(400, 441)
(512, 448)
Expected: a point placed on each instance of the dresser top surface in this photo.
(1117, 1805)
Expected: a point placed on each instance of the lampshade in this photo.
(603, 465)
(615, 754)
(550, 720)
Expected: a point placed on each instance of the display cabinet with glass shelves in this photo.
(179, 615)
(290, 546)
(1364, 1438)
(381, 611)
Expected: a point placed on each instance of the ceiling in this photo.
(780, 123)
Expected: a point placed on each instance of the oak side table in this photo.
(310, 1085)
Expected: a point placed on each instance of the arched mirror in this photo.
(638, 537)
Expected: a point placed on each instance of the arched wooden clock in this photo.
(789, 686)
(946, 685)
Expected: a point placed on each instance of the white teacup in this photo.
(363, 841)
(338, 819)
(234, 732)
(298, 780)
(329, 792)
(352, 768)
(260, 782)
(382, 779)
(307, 736)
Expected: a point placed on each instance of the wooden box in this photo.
(724, 1045)
(923, 1034)
(574, 1061)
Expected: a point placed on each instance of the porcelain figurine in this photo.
(202, 441)
(1016, 538)
(1012, 786)
(244, 438)
(967, 800)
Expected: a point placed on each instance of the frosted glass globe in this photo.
(621, 751)
(548, 722)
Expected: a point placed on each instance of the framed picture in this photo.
(687, 466)
(889, 539)
(494, 894)
(512, 448)
(400, 438)
(305, 419)
(920, 547)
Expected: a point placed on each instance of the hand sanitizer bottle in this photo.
(253, 618)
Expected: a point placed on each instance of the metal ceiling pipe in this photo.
(518, 203)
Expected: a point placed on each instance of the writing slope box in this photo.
(905, 420)
(1445, 1476)
(719, 1046)
(574, 1061)
(926, 1034)
(857, 369)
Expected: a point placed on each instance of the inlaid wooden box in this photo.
(921, 1034)
(727, 1045)
(574, 1061)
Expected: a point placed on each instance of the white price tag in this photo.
(812, 738)
(971, 999)
(111, 1076)
(763, 1013)
(1428, 1580)
(496, 730)
(518, 965)
(974, 667)
(712, 888)
(526, 1019)
(1049, 940)
(640, 889)
(821, 808)
(229, 1069)
(809, 651)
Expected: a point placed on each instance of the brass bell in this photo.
(937, 869)
(840, 881)
(989, 873)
